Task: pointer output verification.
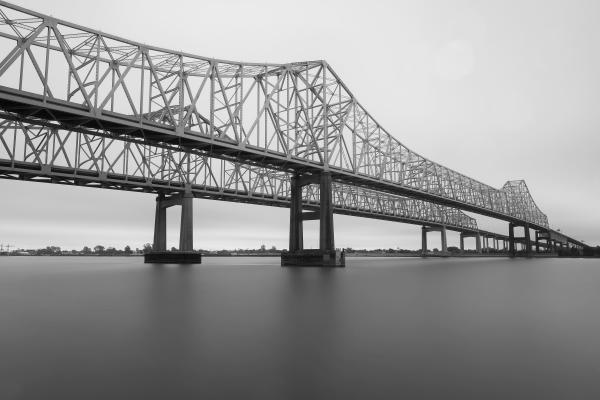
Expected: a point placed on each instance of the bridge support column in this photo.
(160, 225)
(296, 233)
(444, 241)
(186, 254)
(511, 239)
(186, 233)
(326, 255)
(475, 235)
(527, 240)
(524, 242)
(326, 236)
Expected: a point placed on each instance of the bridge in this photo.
(79, 106)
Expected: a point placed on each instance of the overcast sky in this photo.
(498, 90)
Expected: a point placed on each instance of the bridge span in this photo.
(299, 121)
(40, 151)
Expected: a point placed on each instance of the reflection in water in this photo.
(113, 328)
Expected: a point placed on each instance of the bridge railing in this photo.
(298, 112)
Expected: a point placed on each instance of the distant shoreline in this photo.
(348, 255)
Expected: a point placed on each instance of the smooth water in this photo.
(245, 328)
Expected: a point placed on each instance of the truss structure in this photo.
(289, 117)
(48, 153)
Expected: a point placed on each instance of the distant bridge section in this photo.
(298, 117)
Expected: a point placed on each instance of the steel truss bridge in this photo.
(79, 106)
(42, 152)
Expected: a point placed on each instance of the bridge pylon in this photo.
(186, 253)
(442, 230)
(475, 235)
(525, 240)
(326, 255)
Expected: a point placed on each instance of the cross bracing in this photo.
(291, 117)
(39, 151)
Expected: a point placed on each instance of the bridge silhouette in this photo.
(82, 107)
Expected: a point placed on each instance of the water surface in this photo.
(382, 328)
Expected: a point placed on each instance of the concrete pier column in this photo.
(511, 239)
(160, 225)
(326, 237)
(326, 255)
(296, 232)
(478, 243)
(424, 240)
(462, 243)
(444, 239)
(186, 254)
(527, 239)
(186, 230)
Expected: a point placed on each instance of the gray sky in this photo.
(498, 90)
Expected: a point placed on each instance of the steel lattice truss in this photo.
(525, 207)
(297, 116)
(29, 150)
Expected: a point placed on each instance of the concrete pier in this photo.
(442, 230)
(173, 257)
(186, 232)
(475, 235)
(527, 239)
(524, 241)
(511, 239)
(313, 258)
(186, 253)
(160, 225)
(326, 255)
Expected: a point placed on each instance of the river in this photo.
(245, 328)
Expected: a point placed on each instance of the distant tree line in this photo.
(98, 250)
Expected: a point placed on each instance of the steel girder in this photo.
(297, 116)
(36, 150)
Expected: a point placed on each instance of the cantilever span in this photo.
(298, 121)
